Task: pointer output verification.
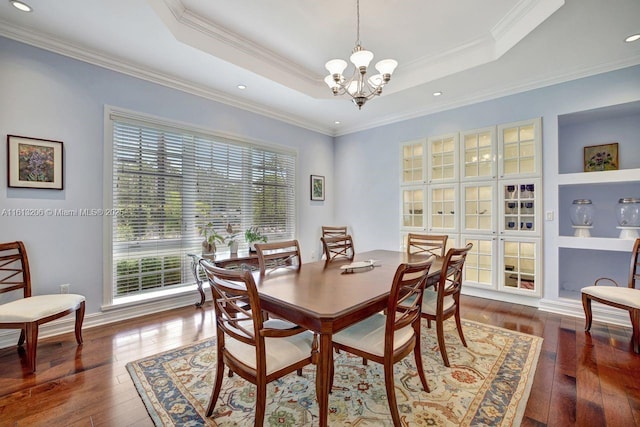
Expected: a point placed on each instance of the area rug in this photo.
(487, 384)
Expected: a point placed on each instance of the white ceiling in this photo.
(470, 50)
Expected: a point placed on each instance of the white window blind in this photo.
(168, 182)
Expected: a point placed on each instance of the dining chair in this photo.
(258, 350)
(626, 298)
(28, 312)
(337, 247)
(426, 243)
(334, 230)
(388, 337)
(443, 300)
(276, 255)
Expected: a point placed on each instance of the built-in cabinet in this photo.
(481, 186)
(581, 260)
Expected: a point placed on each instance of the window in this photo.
(166, 181)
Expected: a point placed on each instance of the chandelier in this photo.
(359, 87)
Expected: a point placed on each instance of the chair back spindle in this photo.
(277, 255)
(426, 244)
(337, 247)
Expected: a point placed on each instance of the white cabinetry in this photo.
(482, 186)
(442, 158)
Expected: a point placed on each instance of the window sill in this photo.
(151, 297)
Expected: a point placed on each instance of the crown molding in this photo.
(521, 20)
(103, 60)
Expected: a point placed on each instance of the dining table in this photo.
(328, 298)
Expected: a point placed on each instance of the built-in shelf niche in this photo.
(617, 123)
(604, 196)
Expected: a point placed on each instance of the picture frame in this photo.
(34, 163)
(601, 157)
(317, 187)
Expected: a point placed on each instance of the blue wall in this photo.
(49, 96)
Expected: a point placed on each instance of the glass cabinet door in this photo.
(520, 149)
(478, 207)
(478, 154)
(413, 159)
(443, 158)
(443, 207)
(413, 204)
(520, 207)
(479, 266)
(520, 267)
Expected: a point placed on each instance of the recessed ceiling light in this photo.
(632, 38)
(337, 122)
(21, 6)
(242, 87)
(437, 93)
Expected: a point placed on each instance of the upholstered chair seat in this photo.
(430, 302)
(279, 352)
(21, 310)
(34, 308)
(369, 335)
(624, 296)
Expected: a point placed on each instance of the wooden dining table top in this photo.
(317, 292)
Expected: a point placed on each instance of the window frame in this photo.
(114, 114)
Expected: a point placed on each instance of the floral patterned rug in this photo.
(487, 384)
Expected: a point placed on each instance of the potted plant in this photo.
(211, 236)
(253, 235)
(232, 239)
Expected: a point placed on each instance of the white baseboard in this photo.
(601, 313)
(500, 296)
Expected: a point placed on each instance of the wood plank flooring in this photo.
(581, 379)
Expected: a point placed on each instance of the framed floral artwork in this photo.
(601, 157)
(317, 187)
(34, 163)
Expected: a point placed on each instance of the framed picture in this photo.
(34, 163)
(601, 157)
(317, 187)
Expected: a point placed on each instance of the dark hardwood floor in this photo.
(581, 379)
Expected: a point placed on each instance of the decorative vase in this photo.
(581, 214)
(628, 215)
(208, 248)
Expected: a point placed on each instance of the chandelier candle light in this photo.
(359, 87)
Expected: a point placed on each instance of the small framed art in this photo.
(601, 157)
(34, 163)
(317, 187)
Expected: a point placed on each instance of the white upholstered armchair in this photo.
(28, 312)
(625, 298)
